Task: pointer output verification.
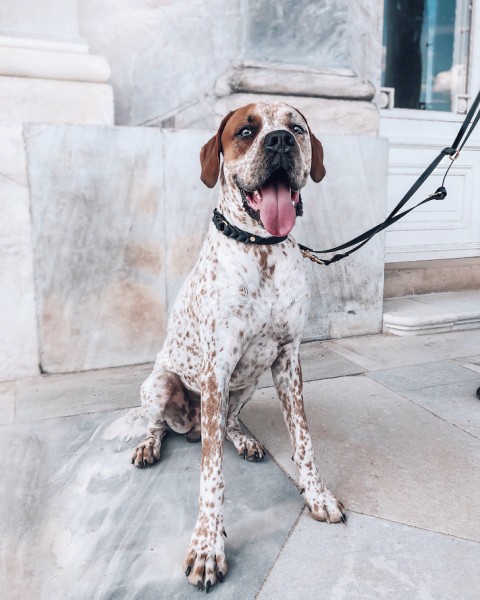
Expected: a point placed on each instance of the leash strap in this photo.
(452, 151)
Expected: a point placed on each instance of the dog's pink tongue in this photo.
(276, 211)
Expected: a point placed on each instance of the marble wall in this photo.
(118, 218)
(297, 32)
(166, 56)
(18, 327)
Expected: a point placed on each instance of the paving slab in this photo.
(382, 454)
(370, 558)
(376, 352)
(78, 521)
(319, 363)
(456, 402)
(404, 379)
(53, 396)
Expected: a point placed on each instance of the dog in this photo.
(240, 312)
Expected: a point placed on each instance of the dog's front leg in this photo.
(287, 376)
(205, 562)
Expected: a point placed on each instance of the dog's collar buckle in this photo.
(239, 235)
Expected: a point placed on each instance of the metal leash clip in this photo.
(312, 257)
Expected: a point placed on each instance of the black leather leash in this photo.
(452, 151)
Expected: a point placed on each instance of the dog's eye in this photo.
(245, 132)
(298, 129)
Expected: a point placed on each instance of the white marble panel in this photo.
(99, 229)
(78, 521)
(188, 205)
(347, 297)
(18, 334)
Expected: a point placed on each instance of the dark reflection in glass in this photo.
(426, 51)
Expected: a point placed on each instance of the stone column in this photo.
(46, 72)
(322, 57)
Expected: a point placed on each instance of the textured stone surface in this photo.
(302, 32)
(52, 396)
(318, 363)
(347, 296)
(455, 402)
(18, 331)
(165, 56)
(325, 116)
(7, 402)
(162, 72)
(373, 559)
(288, 80)
(388, 351)
(90, 525)
(414, 377)
(54, 101)
(381, 454)
(432, 313)
(98, 209)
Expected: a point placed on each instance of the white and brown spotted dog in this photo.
(240, 312)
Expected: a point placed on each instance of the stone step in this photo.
(428, 276)
(432, 313)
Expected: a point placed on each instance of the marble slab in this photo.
(377, 352)
(373, 558)
(347, 296)
(7, 402)
(52, 396)
(414, 377)
(98, 227)
(456, 402)
(18, 330)
(77, 520)
(318, 363)
(382, 454)
(300, 32)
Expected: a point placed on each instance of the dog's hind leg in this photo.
(166, 404)
(246, 446)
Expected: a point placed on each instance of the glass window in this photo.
(425, 51)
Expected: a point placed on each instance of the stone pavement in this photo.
(396, 427)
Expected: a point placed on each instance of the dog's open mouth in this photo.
(275, 203)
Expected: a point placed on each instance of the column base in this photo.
(54, 101)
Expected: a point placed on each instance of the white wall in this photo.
(165, 55)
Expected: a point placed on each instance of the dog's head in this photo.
(268, 151)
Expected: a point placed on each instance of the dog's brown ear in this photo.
(317, 169)
(210, 155)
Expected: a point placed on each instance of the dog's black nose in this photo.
(280, 140)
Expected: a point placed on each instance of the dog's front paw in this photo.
(205, 562)
(324, 506)
(146, 453)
